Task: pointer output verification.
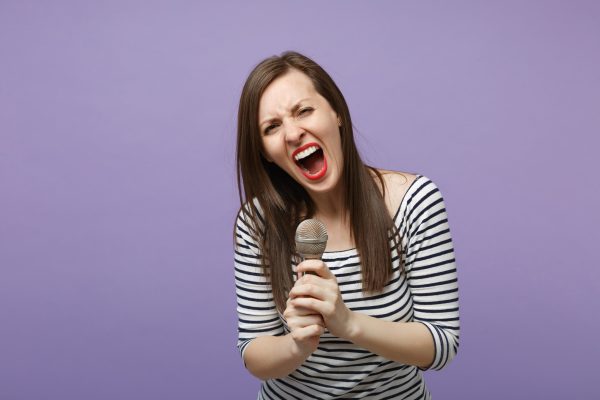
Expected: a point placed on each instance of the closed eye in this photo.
(305, 111)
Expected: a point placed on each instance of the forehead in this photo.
(284, 92)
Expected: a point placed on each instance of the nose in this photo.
(294, 133)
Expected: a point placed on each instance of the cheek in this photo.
(274, 151)
(267, 150)
(336, 148)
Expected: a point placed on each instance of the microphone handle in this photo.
(310, 257)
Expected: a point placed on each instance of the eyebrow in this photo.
(293, 110)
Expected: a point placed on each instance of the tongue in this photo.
(314, 162)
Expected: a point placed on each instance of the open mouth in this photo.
(311, 161)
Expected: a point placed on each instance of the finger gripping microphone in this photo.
(311, 239)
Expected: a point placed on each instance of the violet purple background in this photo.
(117, 182)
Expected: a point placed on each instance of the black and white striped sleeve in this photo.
(431, 270)
(257, 314)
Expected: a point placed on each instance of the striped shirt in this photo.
(426, 293)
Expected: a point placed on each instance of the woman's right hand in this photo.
(305, 328)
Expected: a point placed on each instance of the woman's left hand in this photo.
(323, 296)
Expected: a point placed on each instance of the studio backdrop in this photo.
(118, 193)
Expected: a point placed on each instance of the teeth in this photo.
(306, 153)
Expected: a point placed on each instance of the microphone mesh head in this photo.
(311, 238)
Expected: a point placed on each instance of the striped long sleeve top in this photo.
(426, 293)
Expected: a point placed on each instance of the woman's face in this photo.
(300, 132)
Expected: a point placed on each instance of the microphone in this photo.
(311, 239)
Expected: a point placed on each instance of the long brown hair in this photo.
(282, 200)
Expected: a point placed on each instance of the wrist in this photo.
(295, 351)
(353, 326)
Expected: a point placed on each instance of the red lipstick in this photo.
(322, 169)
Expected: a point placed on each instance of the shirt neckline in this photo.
(353, 249)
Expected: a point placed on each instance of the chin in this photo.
(329, 183)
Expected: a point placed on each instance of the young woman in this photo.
(382, 304)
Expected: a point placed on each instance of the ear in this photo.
(339, 121)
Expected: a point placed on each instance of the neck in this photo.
(330, 206)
